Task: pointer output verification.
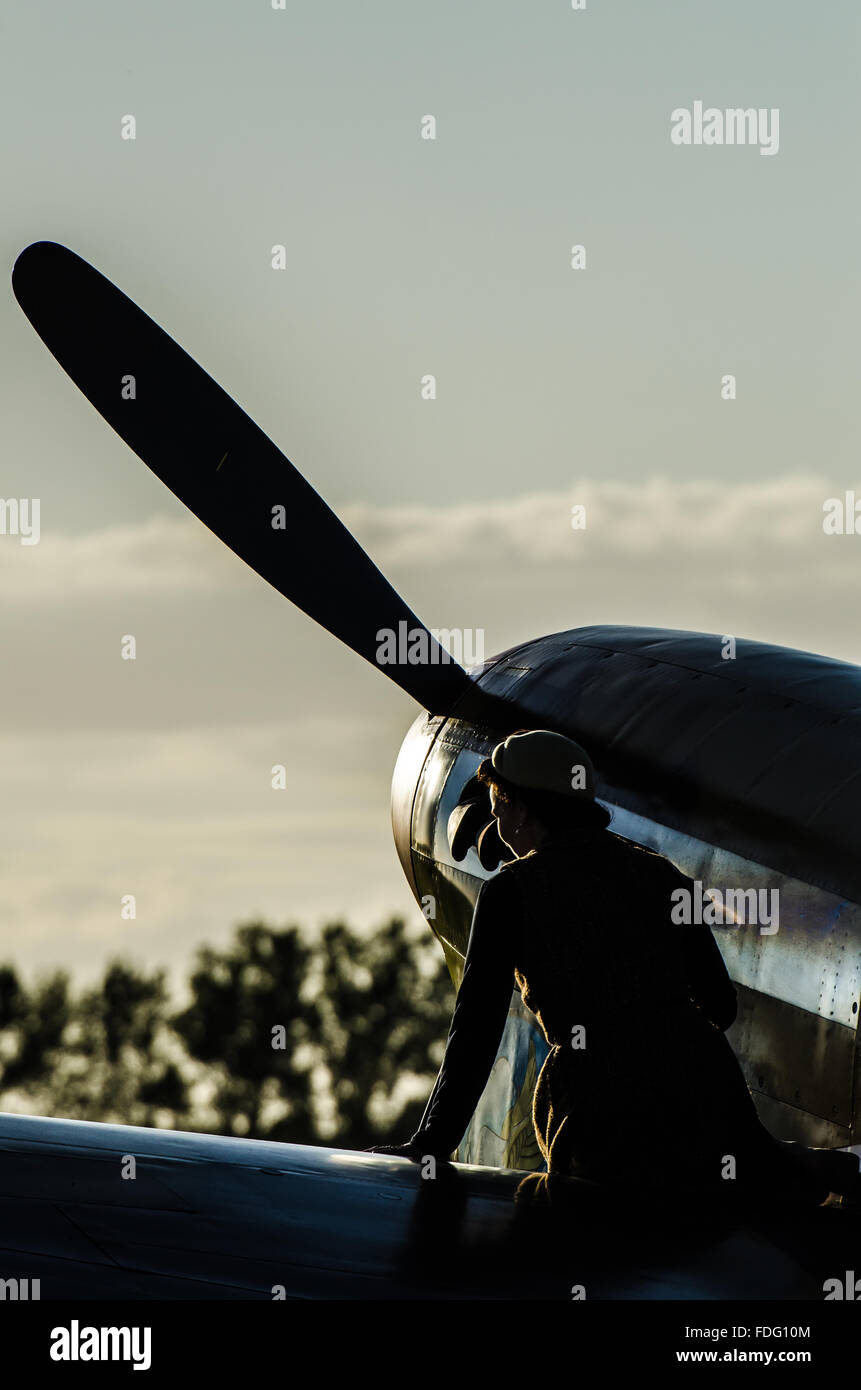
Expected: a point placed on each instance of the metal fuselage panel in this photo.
(798, 978)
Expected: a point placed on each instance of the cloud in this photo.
(625, 522)
(747, 558)
(153, 777)
(159, 556)
(761, 527)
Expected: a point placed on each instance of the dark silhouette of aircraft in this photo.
(740, 768)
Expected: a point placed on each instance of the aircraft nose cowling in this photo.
(405, 779)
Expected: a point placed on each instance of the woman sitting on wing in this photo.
(640, 1085)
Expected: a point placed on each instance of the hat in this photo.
(546, 762)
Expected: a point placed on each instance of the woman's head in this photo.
(545, 790)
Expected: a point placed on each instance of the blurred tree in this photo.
(116, 1064)
(337, 1042)
(248, 1020)
(32, 1024)
(385, 1002)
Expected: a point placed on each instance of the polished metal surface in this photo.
(758, 755)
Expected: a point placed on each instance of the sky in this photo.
(601, 386)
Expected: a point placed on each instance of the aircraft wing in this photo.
(206, 1217)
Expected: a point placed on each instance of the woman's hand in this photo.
(408, 1150)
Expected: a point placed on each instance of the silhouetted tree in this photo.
(385, 1003)
(32, 1024)
(281, 1038)
(116, 1063)
(249, 1020)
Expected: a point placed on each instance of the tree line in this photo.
(330, 1041)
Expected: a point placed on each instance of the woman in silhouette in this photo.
(640, 1085)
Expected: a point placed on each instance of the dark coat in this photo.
(583, 925)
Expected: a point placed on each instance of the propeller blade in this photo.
(204, 447)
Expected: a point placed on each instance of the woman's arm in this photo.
(478, 1021)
